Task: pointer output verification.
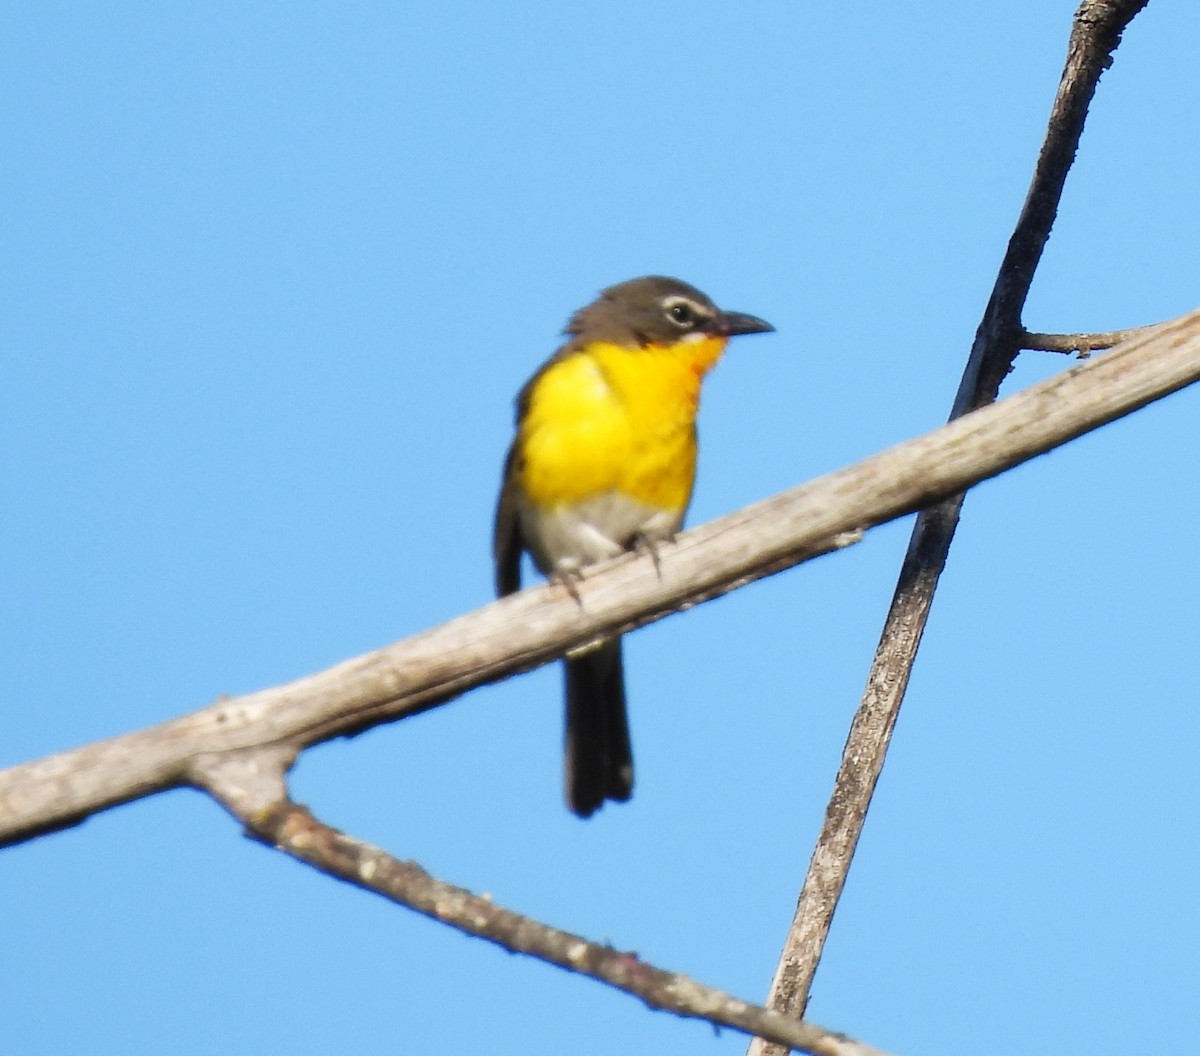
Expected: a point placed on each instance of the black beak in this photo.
(728, 324)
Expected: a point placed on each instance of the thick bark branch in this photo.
(538, 625)
(1095, 34)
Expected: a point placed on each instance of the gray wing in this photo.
(506, 533)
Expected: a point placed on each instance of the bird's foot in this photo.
(649, 544)
(568, 578)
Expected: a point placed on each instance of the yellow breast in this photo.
(609, 418)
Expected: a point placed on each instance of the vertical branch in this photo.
(1095, 34)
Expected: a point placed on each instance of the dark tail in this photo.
(599, 763)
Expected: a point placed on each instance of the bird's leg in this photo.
(568, 576)
(642, 542)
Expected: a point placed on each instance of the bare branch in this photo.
(538, 625)
(293, 830)
(1084, 344)
(250, 784)
(1095, 34)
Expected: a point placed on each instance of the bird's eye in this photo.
(681, 313)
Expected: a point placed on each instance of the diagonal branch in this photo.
(251, 785)
(292, 829)
(1095, 34)
(536, 626)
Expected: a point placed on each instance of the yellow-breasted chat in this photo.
(603, 461)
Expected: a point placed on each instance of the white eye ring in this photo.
(681, 311)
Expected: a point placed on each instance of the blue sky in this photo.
(272, 276)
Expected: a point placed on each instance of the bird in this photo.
(603, 461)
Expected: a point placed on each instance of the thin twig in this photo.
(536, 626)
(1095, 34)
(1084, 344)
